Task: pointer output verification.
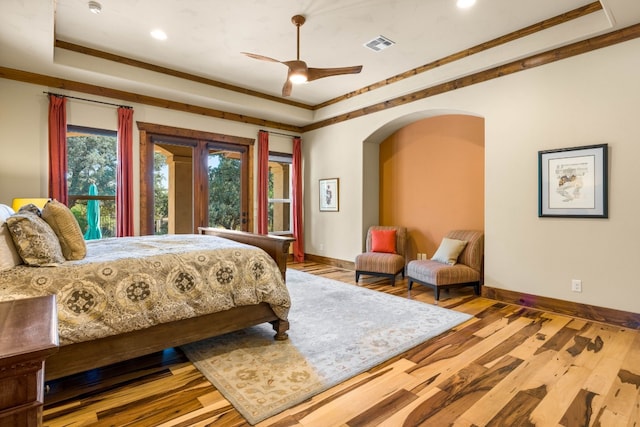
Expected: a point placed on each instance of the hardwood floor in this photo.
(508, 366)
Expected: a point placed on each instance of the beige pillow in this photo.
(9, 256)
(35, 241)
(64, 224)
(449, 251)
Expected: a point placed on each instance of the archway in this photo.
(425, 171)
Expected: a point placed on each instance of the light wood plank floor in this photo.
(508, 366)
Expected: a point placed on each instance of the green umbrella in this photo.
(93, 216)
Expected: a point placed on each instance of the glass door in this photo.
(173, 189)
(227, 186)
(192, 179)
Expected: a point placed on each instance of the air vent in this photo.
(379, 43)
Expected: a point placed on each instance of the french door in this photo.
(191, 179)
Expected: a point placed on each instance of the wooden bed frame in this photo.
(79, 357)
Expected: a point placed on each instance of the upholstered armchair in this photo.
(458, 262)
(385, 253)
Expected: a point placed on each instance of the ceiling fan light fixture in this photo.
(298, 78)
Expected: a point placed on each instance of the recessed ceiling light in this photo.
(95, 7)
(158, 34)
(463, 4)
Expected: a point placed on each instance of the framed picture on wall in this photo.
(572, 182)
(329, 194)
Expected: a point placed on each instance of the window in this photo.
(279, 207)
(91, 179)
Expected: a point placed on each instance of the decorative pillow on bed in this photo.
(9, 257)
(383, 241)
(449, 251)
(64, 224)
(35, 241)
(30, 208)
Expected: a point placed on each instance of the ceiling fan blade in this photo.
(286, 89)
(318, 73)
(260, 57)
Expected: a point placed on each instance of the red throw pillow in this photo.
(383, 241)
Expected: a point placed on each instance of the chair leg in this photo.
(437, 293)
(393, 280)
(357, 276)
(410, 283)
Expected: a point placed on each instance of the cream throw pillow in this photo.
(449, 251)
(64, 224)
(9, 256)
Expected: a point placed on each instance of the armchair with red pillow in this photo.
(385, 253)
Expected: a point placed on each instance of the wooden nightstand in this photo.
(28, 335)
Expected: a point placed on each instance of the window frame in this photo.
(283, 158)
(73, 198)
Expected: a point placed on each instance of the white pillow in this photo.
(449, 251)
(9, 256)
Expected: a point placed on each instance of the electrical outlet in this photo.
(321, 246)
(576, 285)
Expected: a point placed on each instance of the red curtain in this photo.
(58, 148)
(298, 229)
(124, 178)
(263, 181)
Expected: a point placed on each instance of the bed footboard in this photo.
(83, 356)
(277, 247)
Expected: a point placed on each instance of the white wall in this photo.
(23, 141)
(588, 99)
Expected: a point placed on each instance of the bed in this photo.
(137, 295)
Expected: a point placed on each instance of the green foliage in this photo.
(224, 193)
(80, 212)
(92, 158)
(270, 205)
(160, 194)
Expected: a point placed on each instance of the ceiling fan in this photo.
(298, 70)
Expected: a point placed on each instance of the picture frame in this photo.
(573, 182)
(329, 194)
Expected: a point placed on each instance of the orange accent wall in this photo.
(432, 179)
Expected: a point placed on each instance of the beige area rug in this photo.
(337, 331)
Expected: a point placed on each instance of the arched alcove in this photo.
(425, 171)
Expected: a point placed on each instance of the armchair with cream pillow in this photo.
(458, 262)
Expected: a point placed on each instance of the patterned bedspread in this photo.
(132, 283)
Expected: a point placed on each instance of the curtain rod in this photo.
(89, 100)
(281, 134)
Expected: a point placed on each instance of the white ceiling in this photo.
(205, 37)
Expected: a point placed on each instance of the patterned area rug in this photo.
(337, 331)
